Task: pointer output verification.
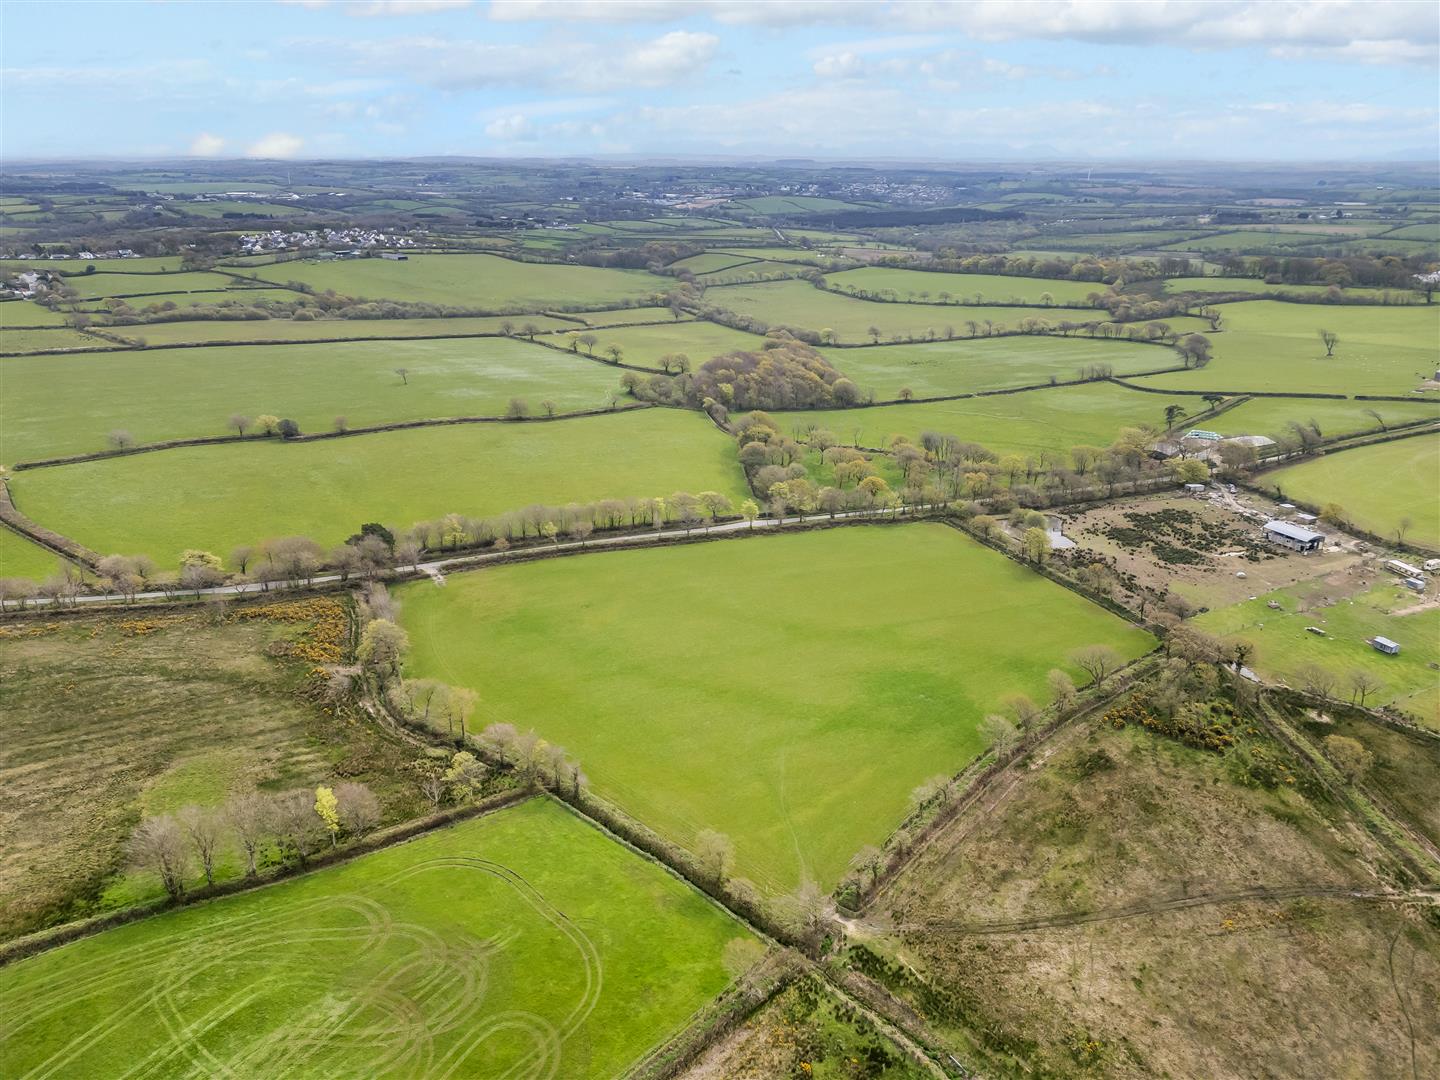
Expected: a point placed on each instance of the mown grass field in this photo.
(521, 943)
(793, 708)
(480, 282)
(100, 286)
(1256, 285)
(170, 333)
(27, 313)
(201, 713)
(969, 288)
(1284, 647)
(1031, 422)
(1377, 485)
(214, 497)
(57, 405)
(1273, 416)
(23, 558)
(936, 368)
(1274, 346)
(60, 337)
(800, 304)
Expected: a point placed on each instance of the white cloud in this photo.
(510, 128)
(587, 64)
(206, 145)
(277, 144)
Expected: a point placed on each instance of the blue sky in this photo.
(814, 78)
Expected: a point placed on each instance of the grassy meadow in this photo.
(480, 282)
(933, 369)
(60, 337)
(1273, 416)
(1377, 485)
(1256, 285)
(521, 943)
(789, 691)
(967, 288)
(261, 330)
(100, 286)
(69, 404)
(800, 304)
(1274, 346)
(215, 497)
(1284, 648)
(645, 345)
(23, 558)
(1031, 422)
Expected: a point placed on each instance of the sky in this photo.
(922, 80)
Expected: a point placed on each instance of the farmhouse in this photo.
(1293, 537)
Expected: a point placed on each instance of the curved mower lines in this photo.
(417, 1007)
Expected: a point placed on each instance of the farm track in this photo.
(1162, 905)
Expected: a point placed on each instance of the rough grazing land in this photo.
(1231, 988)
(1377, 485)
(214, 497)
(789, 691)
(520, 944)
(108, 719)
(56, 405)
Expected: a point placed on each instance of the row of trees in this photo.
(288, 825)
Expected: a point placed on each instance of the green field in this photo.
(20, 557)
(645, 345)
(1256, 285)
(56, 405)
(792, 707)
(99, 286)
(800, 304)
(1284, 647)
(60, 337)
(1032, 422)
(1377, 486)
(473, 282)
(522, 943)
(1273, 416)
(27, 313)
(215, 497)
(1270, 345)
(953, 367)
(709, 262)
(170, 333)
(969, 288)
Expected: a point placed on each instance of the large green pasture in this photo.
(56, 337)
(215, 497)
(479, 282)
(1030, 422)
(1256, 285)
(1273, 416)
(953, 367)
(56, 405)
(1377, 485)
(99, 286)
(793, 707)
(645, 345)
(1270, 345)
(1284, 647)
(968, 288)
(23, 558)
(225, 330)
(525, 943)
(800, 304)
(27, 313)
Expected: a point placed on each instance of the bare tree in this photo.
(869, 860)
(120, 439)
(404, 374)
(239, 421)
(1329, 339)
(999, 733)
(716, 854)
(1097, 661)
(358, 807)
(249, 817)
(1317, 680)
(203, 826)
(432, 787)
(158, 845)
(1362, 685)
(295, 820)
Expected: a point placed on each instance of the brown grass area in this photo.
(1241, 987)
(105, 719)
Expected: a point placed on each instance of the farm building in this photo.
(394, 256)
(1293, 537)
(1385, 645)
